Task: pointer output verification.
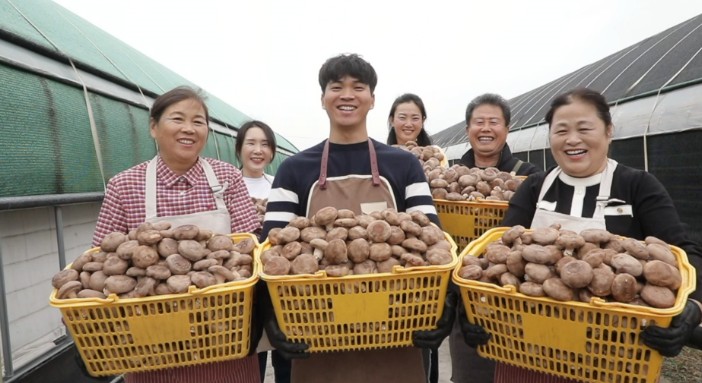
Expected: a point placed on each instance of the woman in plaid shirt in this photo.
(180, 187)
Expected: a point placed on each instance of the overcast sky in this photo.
(263, 56)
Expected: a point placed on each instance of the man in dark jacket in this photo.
(487, 125)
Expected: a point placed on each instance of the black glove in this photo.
(257, 316)
(432, 338)
(670, 341)
(696, 339)
(287, 350)
(474, 335)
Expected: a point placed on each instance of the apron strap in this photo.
(516, 167)
(374, 163)
(548, 181)
(322, 181)
(323, 166)
(605, 188)
(217, 188)
(150, 202)
(604, 192)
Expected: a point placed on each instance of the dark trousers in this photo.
(466, 365)
(281, 366)
(430, 359)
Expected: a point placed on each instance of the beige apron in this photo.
(362, 194)
(353, 191)
(544, 218)
(217, 220)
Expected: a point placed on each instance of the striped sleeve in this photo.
(283, 202)
(281, 197)
(418, 195)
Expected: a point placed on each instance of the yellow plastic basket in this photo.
(594, 342)
(117, 336)
(465, 221)
(359, 312)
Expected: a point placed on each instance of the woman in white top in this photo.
(406, 123)
(255, 149)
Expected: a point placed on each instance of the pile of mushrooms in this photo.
(425, 154)
(155, 259)
(260, 205)
(570, 266)
(461, 183)
(342, 243)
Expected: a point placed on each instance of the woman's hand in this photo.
(670, 341)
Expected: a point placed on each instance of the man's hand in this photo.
(287, 350)
(432, 338)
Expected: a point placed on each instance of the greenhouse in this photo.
(74, 108)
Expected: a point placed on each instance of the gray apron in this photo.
(217, 220)
(362, 194)
(545, 218)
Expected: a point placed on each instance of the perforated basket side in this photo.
(353, 314)
(590, 344)
(596, 341)
(465, 221)
(131, 337)
(359, 311)
(115, 336)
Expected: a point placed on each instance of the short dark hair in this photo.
(423, 138)
(335, 68)
(175, 96)
(490, 99)
(587, 95)
(241, 135)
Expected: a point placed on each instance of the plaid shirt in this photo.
(124, 208)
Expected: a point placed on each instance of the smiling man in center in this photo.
(350, 171)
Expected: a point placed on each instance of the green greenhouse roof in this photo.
(46, 27)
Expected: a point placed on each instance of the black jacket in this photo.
(507, 162)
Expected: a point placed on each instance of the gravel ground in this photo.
(684, 368)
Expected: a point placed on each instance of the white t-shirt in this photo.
(259, 187)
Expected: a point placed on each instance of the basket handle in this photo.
(319, 274)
